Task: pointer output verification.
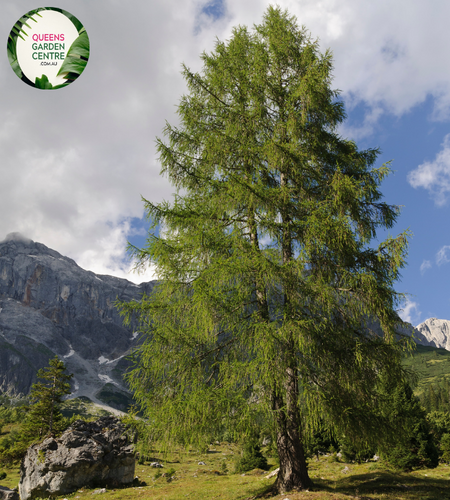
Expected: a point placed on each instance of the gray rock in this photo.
(436, 332)
(87, 454)
(273, 473)
(7, 494)
(49, 305)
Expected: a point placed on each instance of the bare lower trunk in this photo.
(293, 474)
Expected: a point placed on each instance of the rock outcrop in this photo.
(436, 332)
(49, 305)
(87, 454)
(7, 494)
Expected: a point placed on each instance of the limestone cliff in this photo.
(436, 331)
(49, 305)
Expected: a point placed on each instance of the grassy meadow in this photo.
(333, 480)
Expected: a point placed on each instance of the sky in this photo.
(75, 162)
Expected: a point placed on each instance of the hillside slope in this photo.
(431, 364)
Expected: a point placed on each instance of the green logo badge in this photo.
(48, 48)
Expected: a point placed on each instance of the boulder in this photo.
(87, 454)
(7, 494)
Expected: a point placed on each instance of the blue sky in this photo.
(75, 162)
(410, 141)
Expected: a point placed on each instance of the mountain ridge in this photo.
(51, 306)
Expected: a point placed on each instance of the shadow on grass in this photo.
(389, 484)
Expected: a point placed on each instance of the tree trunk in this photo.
(293, 473)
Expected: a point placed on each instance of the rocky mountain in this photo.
(49, 305)
(436, 332)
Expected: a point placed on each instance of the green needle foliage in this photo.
(269, 288)
(44, 417)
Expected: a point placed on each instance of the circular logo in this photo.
(48, 48)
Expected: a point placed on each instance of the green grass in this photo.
(332, 481)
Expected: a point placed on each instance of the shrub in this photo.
(252, 458)
(352, 451)
(445, 448)
(415, 446)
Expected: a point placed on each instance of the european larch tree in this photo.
(268, 287)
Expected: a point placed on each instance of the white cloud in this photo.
(441, 256)
(75, 161)
(366, 128)
(426, 264)
(410, 312)
(434, 176)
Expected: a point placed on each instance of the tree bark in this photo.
(293, 473)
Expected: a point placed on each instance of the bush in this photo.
(445, 448)
(351, 451)
(13, 454)
(415, 446)
(2, 475)
(11, 415)
(319, 441)
(252, 458)
(440, 428)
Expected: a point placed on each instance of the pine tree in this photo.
(44, 417)
(269, 290)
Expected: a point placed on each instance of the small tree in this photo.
(415, 447)
(252, 457)
(44, 417)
